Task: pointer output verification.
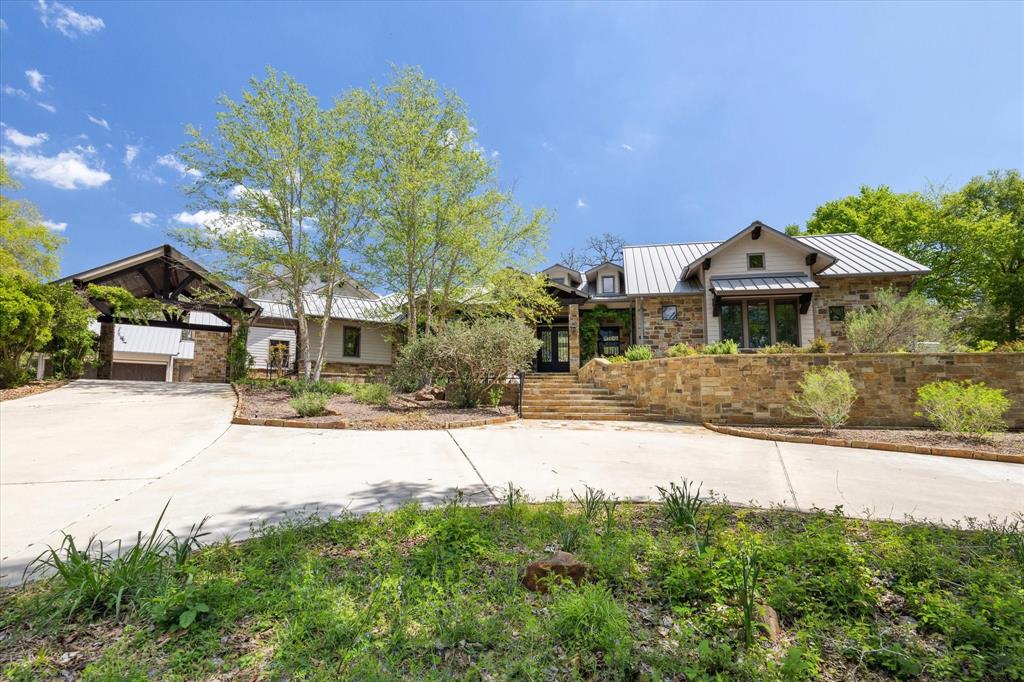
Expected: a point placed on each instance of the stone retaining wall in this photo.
(756, 389)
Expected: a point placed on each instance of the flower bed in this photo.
(269, 407)
(1003, 447)
(31, 389)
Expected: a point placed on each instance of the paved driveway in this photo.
(104, 457)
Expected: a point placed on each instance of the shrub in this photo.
(896, 323)
(311, 404)
(239, 359)
(25, 321)
(588, 621)
(777, 348)
(1011, 347)
(470, 358)
(723, 347)
(963, 407)
(682, 350)
(819, 345)
(71, 341)
(637, 353)
(984, 346)
(372, 394)
(617, 358)
(826, 395)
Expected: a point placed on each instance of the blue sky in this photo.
(660, 122)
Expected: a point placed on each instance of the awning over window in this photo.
(761, 285)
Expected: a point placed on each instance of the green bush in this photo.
(682, 350)
(310, 404)
(963, 408)
(826, 395)
(239, 359)
(587, 621)
(1011, 347)
(896, 323)
(637, 353)
(819, 345)
(723, 347)
(984, 346)
(372, 394)
(777, 348)
(617, 358)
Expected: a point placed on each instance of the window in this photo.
(351, 341)
(186, 334)
(669, 313)
(608, 342)
(608, 284)
(759, 326)
(760, 323)
(836, 313)
(755, 261)
(732, 322)
(558, 280)
(787, 323)
(277, 353)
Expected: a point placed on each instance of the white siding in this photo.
(598, 280)
(258, 344)
(374, 348)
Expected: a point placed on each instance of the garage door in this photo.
(137, 371)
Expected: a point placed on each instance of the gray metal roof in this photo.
(734, 285)
(135, 338)
(655, 269)
(386, 309)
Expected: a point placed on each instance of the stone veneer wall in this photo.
(852, 293)
(210, 364)
(661, 334)
(756, 389)
(105, 351)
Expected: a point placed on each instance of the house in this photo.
(759, 287)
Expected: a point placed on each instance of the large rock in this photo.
(561, 564)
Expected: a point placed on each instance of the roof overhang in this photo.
(767, 284)
(167, 275)
(815, 258)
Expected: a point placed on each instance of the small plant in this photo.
(591, 502)
(617, 358)
(570, 536)
(495, 395)
(750, 571)
(682, 350)
(682, 504)
(819, 345)
(984, 346)
(776, 348)
(372, 394)
(826, 395)
(723, 347)
(309, 404)
(609, 505)
(1011, 347)
(963, 408)
(637, 353)
(588, 621)
(513, 499)
(179, 608)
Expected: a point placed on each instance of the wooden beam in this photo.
(167, 324)
(191, 277)
(716, 305)
(805, 303)
(756, 234)
(157, 292)
(811, 259)
(707, 263)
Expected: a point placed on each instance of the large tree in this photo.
(442, 229)
(276, 186)
(26, 244)
(602, 248)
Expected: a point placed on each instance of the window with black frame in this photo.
(351, 341)
(608, 342)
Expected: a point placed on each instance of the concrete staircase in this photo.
(564, 396)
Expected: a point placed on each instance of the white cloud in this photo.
(627, 147)
(130, 152)
(49, 107)
(56, 227)
(3, 25)
(20, 139)
(70, 169)
(495, 154)
(67, 20)
(35, 79)
(580, 203)
(219, 222)
(101, 122)
(144, 218)
(172, 162)
(16, 92)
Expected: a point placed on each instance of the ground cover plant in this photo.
(436, 594)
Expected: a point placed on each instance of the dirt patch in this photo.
(30, 389)
(399, 413)
(1002, 443)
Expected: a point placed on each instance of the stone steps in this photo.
(564, 396)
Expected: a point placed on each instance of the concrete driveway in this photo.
(104, 457)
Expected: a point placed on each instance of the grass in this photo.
(435, 594)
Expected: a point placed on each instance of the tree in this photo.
(26, 244)
(71, 341)
(896, 323)
(441, 227)
(275, 180)
(25, 319)
(603, 248)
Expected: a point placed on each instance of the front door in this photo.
(553, 355)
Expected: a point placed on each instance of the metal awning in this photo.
(762, 285)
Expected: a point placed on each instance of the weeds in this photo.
(512, 500)
(682, 504)
(309, 404)
(587, 621)
(750, 571)
(591, 503)
(609, 505)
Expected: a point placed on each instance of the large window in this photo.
(351, 342)
(608, 342)
(608, 284)
(758, 323)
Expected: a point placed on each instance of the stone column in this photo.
(211, 357)
(105, 352)
(574, 338)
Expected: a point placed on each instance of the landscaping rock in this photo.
(770, 622)
(561, 564)
(428, 394)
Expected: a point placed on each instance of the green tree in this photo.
(26, 244)
(25, 323)
(440, 225)
(71, 342)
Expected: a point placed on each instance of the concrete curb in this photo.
(346, 424)
(961, 453)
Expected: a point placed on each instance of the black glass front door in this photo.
(553, 355)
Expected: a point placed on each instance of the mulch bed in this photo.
(1004, 443)
(30, 389)
(399, 413)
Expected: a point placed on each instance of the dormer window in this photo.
(608, 284)
(558, 280)
(755, 261)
